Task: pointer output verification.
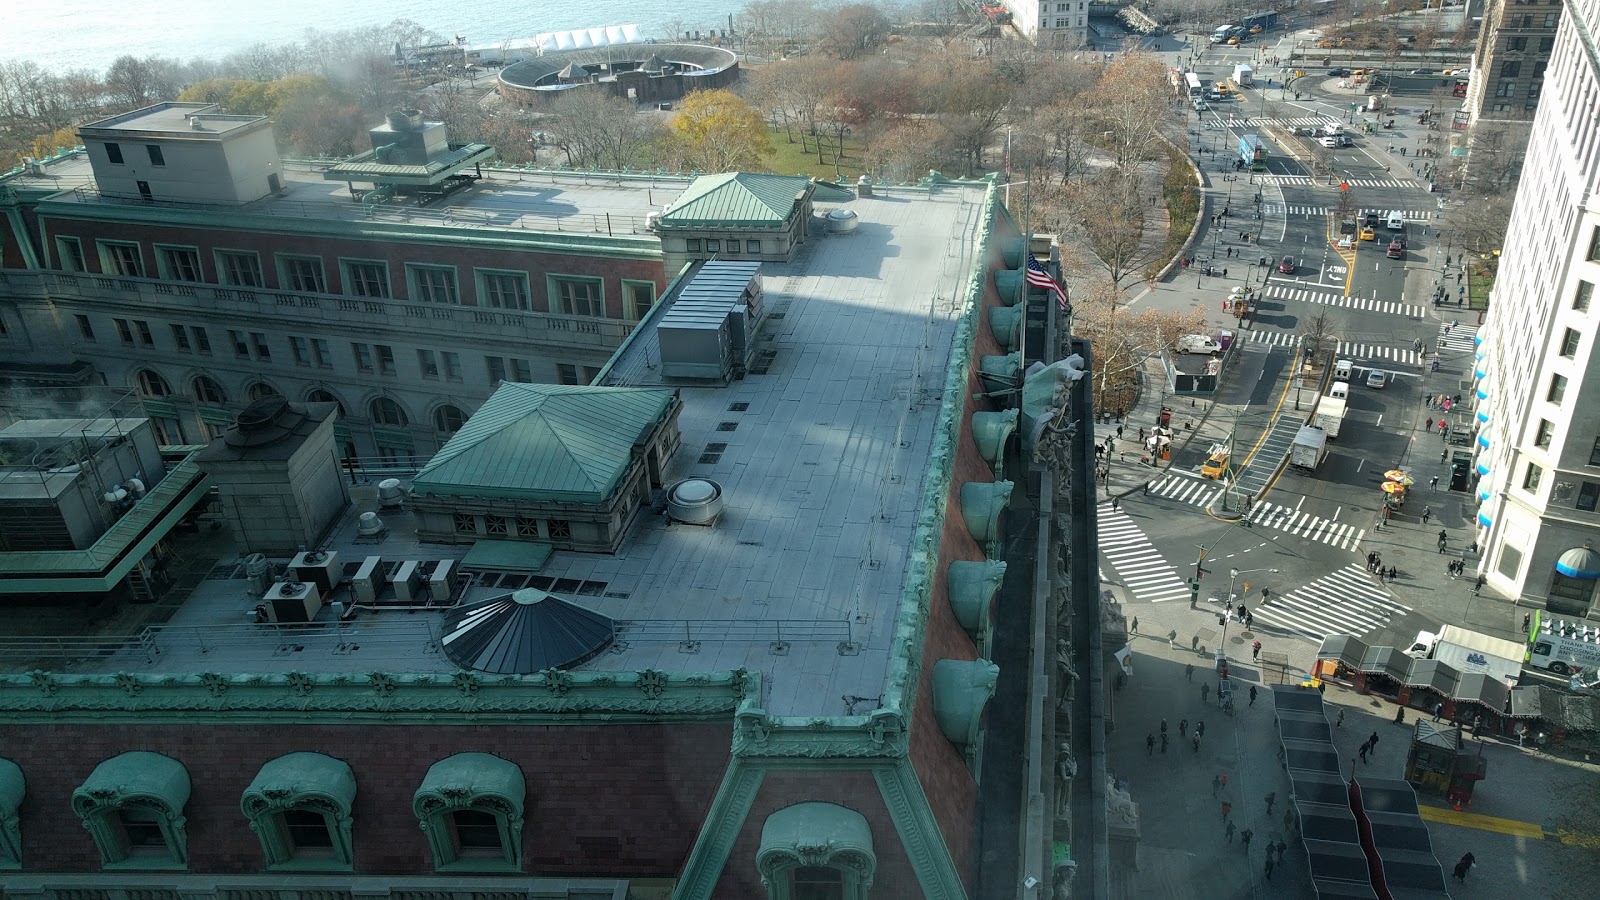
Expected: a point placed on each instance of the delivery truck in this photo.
(1253, 152)
(1563, 646)
(1330, 413)
(1309, 448)
(1470, 651)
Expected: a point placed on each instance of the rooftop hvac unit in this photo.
(695, 501)
(33, 166)
(370, 580)
(408, 582)
(439, 581)
(320, 567)
(292, 601)
(259, 572)
(369, 525)
(390, 493)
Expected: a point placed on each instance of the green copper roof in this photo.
(137, 775)
(294, 777)
(12, 788)
(545, 442)
(737, 199)
(476, 775)
(369, 166)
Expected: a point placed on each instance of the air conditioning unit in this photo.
(320, 567)
(292, 601)
(370, 580)
(439, 581)
(408, 582)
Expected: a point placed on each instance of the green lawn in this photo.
(1479, 283)
(791, 160)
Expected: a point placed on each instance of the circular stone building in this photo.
(643, 73)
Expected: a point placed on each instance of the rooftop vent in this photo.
(842, 221)
(390, 493)
(695, 501)
(369, 525)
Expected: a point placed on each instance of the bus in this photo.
(1253, 153)
(1192, 82)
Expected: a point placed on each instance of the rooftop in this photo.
(176, 119)
(824, 456)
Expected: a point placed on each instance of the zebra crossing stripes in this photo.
(1347, 601)
(1404, 356)
(1295, 121)
(1144, 572)
(1193, 491)
(1353, 182)
(1456, 337)
(1277, 291)
(1275, 338)
(1412, 215)
(1306, 525)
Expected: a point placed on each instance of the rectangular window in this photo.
(640, 296)
(496, 526)
(477, 833)
(239, 268)
(363, 357)
(560, 529)
(1517, 43)
(433, 284)
(367, 279)
(202, 339)
(566, 374)
(1506, 89)
(124, 331)
(733, 248)
(1589, 496)
(114, 153)
(1594, 453)
(713, 245)
(578, 296)
(85, 327)
(70, 250)
(504, 290)
(180, 337)
(321, 353)
(1546, 44)
(452, 364)
(1546, 432)
(156, 158)
(521, 371)
(1580, 299)
(240, 348)
(1569, 343)
(590, 374)
(307, 832)
(1594, 245)
(145, 337)
(752, 247)
(385, 359)
(1534, 475)
(303, 273)
(121, 259)
(1558, 388)
(179, 263)
(465, 523)
(693, 245)
(496, 367)
(428, 363)
(300, 349)
(263, 352)
(1550, 19)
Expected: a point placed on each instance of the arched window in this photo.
(299, 807)
(448, 419)
(151, 384)
(470, 809)
(207, 390)
(816, 851)
(319, 395)
(132, 806)
(387, 412)
(261, 391)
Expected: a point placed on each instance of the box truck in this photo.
(1309, 447)
(1330, 413)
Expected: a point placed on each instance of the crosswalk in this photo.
(1356, 350)
(1456, 336)
(1144, 572)
(1306, 525)
(1201, 492)
(1353, 182)
(1294, 122)
(1412, 215)
(1348, 601)
(1279, 291)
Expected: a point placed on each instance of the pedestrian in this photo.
(1133, 627)
(1255, 651)
(1463, 866)
(1188, 672)
(1172, 637)
(1373, 740)
(1281, 847)
(1444, 455)
(1150, 744)
(1269, 866)
(1340, 723)
(1441, 545)
(1479, 585)
(1438, 710)
(1372, 561)
(1430, 423)
(1224, 271)
(1434, 482)
(1141, 434)
(1271, 799)
(1526, 617)
(1443, 535)
(1194, 643)
(1163, 725)
(1119, 431)
(1183, 726)
(1244, 838)
(1216, 785)
(1227, 810)
(1163, 743)
(1399, 716)
(1250, 617)
(1363, 752)
(1252, 695)
(1200, 728)
(1196, 740)
(1427, 512)
(1205, 692)
(1393, 572)
(1229, 830)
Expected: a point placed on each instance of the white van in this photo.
(1341, 370)
(1397, 220)
(1333, 129)
(1339, 390)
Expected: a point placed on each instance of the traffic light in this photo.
(1194, 592)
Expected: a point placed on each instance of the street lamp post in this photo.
(1233, 576)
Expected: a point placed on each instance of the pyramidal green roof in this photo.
(545, 442)
(737, 199)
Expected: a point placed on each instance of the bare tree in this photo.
(1133, 102)
(1122, 340)
(854, 30)
(611, 134)
(1316, 336)
(1107, 215)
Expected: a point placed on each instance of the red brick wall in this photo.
(395, 252)
(853, 790)
(602, 800)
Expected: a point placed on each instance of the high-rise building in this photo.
(1536, 473)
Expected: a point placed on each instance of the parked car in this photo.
(1286, 265)
(1377, 378)
(1421, 71)
(1346, 140)
(1199, 343)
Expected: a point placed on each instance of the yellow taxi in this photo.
(1222, 88)
(1255, 29)
(1367, 234)
(1217, 464)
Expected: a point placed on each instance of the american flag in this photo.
(1039, 278)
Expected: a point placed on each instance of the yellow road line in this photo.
(1512, 827)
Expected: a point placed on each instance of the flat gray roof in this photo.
(174, 117)
(823, 475)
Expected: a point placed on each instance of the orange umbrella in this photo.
(1393, 487)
